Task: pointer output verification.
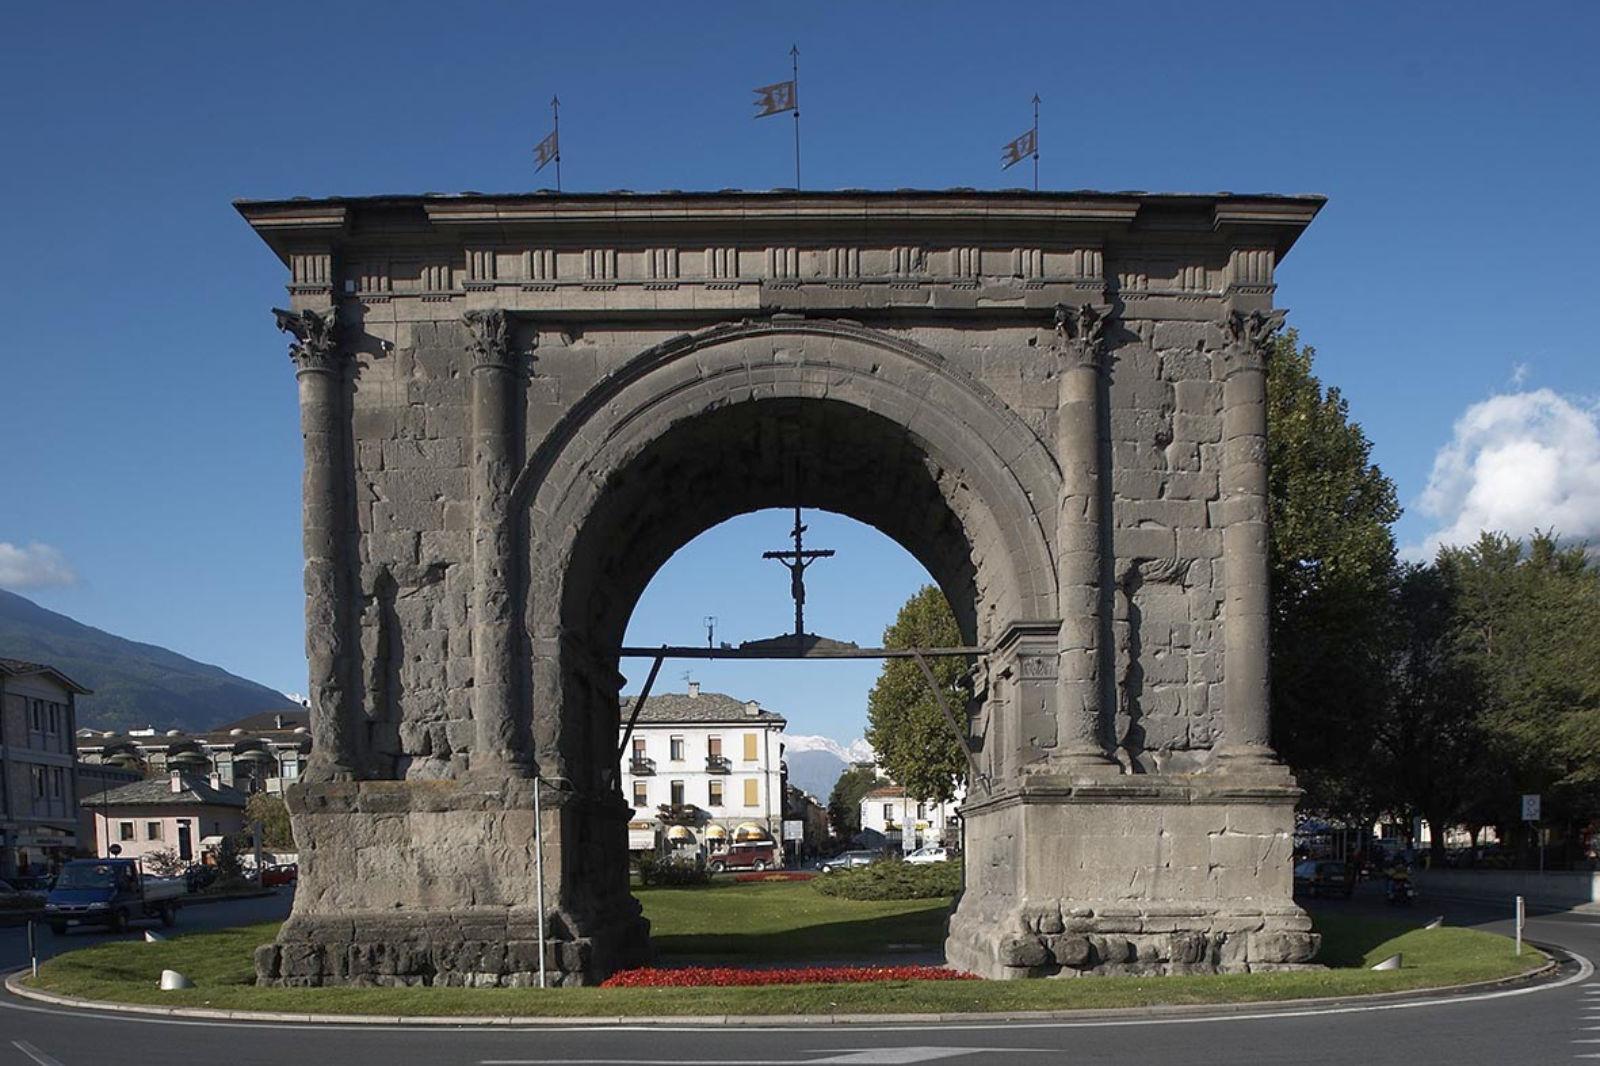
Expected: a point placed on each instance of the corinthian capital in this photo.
(315, 345)
(488, 337)
(1081, 331)
(1247, 337)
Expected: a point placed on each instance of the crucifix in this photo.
(797, 560)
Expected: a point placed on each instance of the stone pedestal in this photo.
(434, 883)
(1149, 875)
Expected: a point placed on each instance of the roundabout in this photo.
(1545, 1019)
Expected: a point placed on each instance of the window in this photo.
(638, 747)
(677, 749)
(55, 718)
(888, 812)
(37, 722)
(922, 810)
(677, 793)
(124, 830)
(750, 741)
(291, 769)
(641, 793)
(57, 779)
(152, 830)
(752, 792)
(713, 793)
(714, 747)
(39, 786)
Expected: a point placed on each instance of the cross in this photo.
(797, 561)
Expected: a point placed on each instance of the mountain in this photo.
(134, 684)
(815, 763)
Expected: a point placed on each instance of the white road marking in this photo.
(889, 1056)
(34, 1053)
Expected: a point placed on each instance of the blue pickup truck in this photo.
(110, 893)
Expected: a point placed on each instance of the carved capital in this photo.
(1247, 338)
(488, 338)
(1081, 333)
(315, 346)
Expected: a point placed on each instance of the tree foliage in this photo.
(844, 802)
(270, 811)
(906, 727)
(1333, 578)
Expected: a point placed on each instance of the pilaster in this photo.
(320, 368)
(1247, 733)
(496, 750)
(1080, 343)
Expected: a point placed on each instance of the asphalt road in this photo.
(1538, 1025)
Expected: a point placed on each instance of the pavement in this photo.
(1557, 1022)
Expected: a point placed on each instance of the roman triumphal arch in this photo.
(516, 408)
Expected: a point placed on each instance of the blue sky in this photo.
(150, 441)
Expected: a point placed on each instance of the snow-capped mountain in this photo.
(858, 750)
(815, 763)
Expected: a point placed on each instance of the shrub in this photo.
(672, 872)
(775, 875)
(892, 879)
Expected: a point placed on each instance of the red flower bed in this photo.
(775, 875)
(724, 976)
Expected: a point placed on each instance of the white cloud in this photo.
(1518, 462)
(33, 566)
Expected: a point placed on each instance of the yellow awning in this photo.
(751, 831)
(716, 832)
(679, 833)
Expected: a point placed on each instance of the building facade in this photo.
(702, 770)
(906, 823)
(182, 813)
(38, 782)
(262, 753)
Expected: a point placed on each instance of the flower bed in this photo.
(725, 976)
(775, 875)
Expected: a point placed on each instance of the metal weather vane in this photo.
(797, 559)
(548, 150)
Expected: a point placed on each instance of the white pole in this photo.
(538, 866)
(1520, 915)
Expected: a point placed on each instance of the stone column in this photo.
(495, 750)
(319, 370)
(1246, 622)
(1079, 694)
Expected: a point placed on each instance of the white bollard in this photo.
(1391, 963)
(1522, 916)
(1436, 923)
(172, 980)
(153, 937)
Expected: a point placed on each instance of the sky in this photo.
(150, 441)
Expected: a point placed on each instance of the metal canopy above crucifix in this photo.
(797, 559)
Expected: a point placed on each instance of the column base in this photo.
(1145, 875)
(436, 883)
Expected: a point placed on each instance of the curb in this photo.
(14, 985)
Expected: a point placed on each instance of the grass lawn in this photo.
(788, 921)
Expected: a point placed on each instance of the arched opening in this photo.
(729, 767)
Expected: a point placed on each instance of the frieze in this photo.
(1037, 665)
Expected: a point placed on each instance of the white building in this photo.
(701, 770)
(38, 780)
(907, 822)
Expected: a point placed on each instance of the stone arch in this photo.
(753, 415)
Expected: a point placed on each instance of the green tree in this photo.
(273, 815)
(905, 726)
(1333, 578)
(844, 802)
(1526, 617)
(1431, 759)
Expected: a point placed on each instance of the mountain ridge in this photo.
(135, 684)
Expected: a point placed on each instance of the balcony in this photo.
(718, 764)
(640, 766)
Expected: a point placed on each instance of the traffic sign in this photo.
(1530, 807)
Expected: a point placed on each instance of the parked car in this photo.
(1323, 877)
(848, 860)
(283, 873)
(745, 856)
(930, 853)
(110, 892)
